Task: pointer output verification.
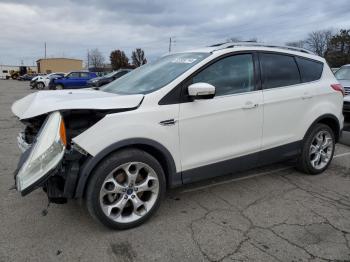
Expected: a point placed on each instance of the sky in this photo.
(71, 27)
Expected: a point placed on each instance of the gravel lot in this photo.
(268, 214)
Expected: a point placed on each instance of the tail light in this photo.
(339, 88)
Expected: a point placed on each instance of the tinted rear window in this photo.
(278, 70)
(310, 70)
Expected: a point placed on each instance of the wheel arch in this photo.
(329, 120)
(152, 147)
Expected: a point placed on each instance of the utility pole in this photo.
(170, 45)
(45, 50)
(172, 41)
(88, 59)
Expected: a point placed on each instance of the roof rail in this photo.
(233, 44)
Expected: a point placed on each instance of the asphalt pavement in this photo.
(268, 214)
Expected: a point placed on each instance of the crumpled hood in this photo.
(43, 102)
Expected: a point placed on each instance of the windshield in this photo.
(343, 73)
(153, 76)
(110, 74)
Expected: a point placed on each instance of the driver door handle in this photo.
(250, 105)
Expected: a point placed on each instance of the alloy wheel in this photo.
(321, 149)
(129, 192)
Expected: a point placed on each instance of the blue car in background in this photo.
(72, 80)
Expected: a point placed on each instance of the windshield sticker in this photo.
(184, 60)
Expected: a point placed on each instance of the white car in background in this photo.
(343, 76)
(186, 117)
(42, 81)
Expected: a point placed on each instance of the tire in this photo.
(58, 87)
(137, 190)
(40, 85)
(317, 150)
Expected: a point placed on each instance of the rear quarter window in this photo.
(310, 70)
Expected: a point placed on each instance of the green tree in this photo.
(119, 60)
(338, 52)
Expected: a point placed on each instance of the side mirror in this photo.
(201, 91)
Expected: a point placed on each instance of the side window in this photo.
(5, 71)
(309, 70)
(278, 70)
(230, 75)
(73, 75)
(122, 73)
(84, 75)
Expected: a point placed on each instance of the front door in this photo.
(72, 80)
(222, 134)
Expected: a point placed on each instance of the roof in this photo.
(255, 44)
(221, 47)
(57, 58)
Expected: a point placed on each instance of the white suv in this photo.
(186, 117)
(40, 82)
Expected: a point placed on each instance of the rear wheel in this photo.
(125, 189)
(317, 151)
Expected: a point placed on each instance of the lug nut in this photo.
(126, 197)
(133, 196)
(136, 189)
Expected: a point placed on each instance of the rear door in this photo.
(84, 77)
(287, 99)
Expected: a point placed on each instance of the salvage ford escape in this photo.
(186, 117)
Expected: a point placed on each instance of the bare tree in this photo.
(138, 57)
(234, 39)
(318, 41)
(299, 44)
(95, 58)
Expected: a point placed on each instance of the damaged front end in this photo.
(49, 159)
(52, 119)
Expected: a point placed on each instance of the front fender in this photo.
(174, 178)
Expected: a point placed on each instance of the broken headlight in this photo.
(46, 153)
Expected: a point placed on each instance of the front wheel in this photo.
(125, 189)
(58, 87)
(317, 150)
(40, 85)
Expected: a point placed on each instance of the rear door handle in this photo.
(250, 105)
(307, 96)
